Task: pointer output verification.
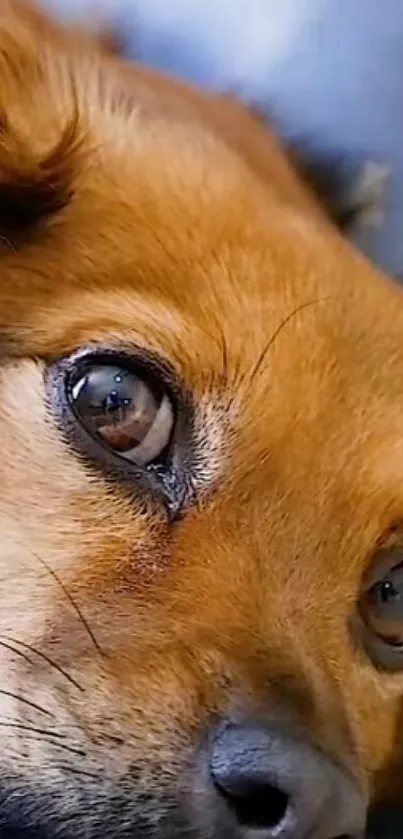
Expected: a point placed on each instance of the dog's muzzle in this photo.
(268, 784)
(250, 780)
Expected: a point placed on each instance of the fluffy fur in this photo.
(136, 212)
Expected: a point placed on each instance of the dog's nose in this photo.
(276, 786)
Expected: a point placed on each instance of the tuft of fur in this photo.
(34, 187)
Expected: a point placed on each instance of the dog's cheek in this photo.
(32, 497)
(386, 731)
(61, 526)
(374, 707)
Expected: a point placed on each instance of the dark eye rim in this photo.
(166, 480)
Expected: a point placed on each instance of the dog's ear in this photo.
(40, 133)
(33, 187)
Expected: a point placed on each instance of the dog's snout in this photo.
(275, 785)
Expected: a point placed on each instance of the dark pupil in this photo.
(114, 400)
(388, 593)
(104, 393)
(386, 596)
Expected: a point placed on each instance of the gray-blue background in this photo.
(328, 71)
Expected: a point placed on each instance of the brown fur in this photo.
(136, 212)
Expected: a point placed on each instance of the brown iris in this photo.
(124, 411)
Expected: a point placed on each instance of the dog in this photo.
(201, 504)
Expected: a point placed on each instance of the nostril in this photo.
(257, 805)
(269, 783)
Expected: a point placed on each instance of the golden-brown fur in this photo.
(135, 212)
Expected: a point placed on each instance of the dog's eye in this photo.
(381, 610)
(382, 605)
(123, 411)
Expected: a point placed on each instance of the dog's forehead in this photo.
(156, 217)
(175, 223)
(169, 240)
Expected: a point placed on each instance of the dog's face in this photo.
(201, 423)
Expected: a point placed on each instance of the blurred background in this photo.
(328, 73)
